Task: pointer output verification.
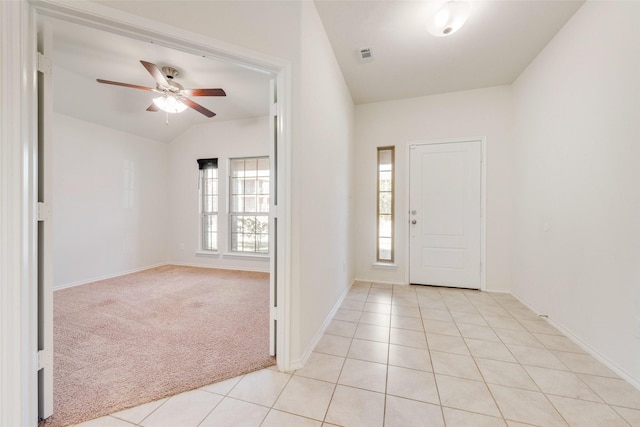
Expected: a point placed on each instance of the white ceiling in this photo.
(497, 43)
(81, 55)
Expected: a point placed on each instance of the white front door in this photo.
(445, 214)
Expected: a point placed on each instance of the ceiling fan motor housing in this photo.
(170, 72)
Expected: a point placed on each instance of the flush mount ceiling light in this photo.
(170, 104)
(449, 18)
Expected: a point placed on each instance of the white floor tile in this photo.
(586, 414)
(333, 344)
(582, 363)
(458, 418)
(352, 407)
(223, 387)
(468, 395)
(185, 410)
(372, 333)
(505, 373)
(260, 387)
(561, 383)
(447, 344)
(372, 351)
(489, 350)
(455, 365)
(408, 338)
(105, 422)
(323, 367)
(136, 414)
(526, 406)
(404, 413)
(412, 384)
(362, 374)
(282, 419)
(536, 357)
(236, 413)
(306, 397)
(613, 391)
(410, 357)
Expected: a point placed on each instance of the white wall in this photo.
(477, 113)
(109, 202)
(577, 150)
(224, 140)
(322, 185)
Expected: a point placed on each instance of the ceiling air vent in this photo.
(366, 54)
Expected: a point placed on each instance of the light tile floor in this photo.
(402, 356)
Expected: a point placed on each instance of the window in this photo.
(208, 204)
(385, 204)
(249, 205)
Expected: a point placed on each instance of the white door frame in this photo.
(483, 200)
(18, 179)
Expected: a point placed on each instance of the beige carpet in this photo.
(129, 340)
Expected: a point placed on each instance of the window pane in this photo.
(385, 181)
(385, 226)
(263, 243)
(384, 159)
(263, 167)
(249, 186)
(385, 203)
(209, 232)
(384, 249)
(250, 203)
(210, 204)
(263, 185)
(250, 167)
(237, 186)
(237, 167)
(263, 204)
(234, 242)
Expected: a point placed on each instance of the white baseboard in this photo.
(585, 346)
(108, 276)
(299, 363)
(380, 281)
(221, 267)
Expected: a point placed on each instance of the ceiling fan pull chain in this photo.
(167, 122)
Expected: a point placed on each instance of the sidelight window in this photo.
(385, 202)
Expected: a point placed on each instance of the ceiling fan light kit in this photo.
(448, 18)
(174, 98)
(169, 103)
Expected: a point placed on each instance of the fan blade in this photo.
(109, 82)
(155, 73)
(153, 107)
(199, 108)
(204, 92)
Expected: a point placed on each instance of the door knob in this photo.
(413, 221)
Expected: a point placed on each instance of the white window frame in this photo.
(379, 193)
(234, 213)
(203, 230)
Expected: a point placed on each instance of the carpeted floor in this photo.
(129, 340)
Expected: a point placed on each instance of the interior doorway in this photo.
(278, 130)
(445, 214)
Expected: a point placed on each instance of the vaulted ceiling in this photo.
(497, 43)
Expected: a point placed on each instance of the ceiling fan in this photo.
(174, 98)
